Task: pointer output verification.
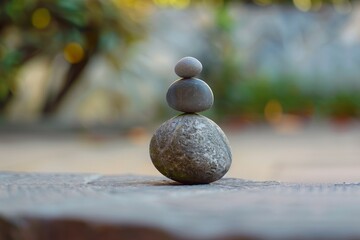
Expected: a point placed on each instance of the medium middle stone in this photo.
(190, 95)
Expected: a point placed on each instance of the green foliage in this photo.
(243, 93)
(97, 26)
(342, 105)
(248, 97)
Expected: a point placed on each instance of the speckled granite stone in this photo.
(190, 149)
(190, 95)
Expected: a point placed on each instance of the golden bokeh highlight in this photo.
(41, 18)
(136, 10)
(131, 3)
(161, 2)
(273, 111)
(73, 52)
(302, 5)
(316, 5)
(180, 4)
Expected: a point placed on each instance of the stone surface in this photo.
(190, 95)
(188, 67)
(190, 149)
(93, 206)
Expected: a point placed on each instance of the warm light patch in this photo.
(316, 5)
(180, 3)
(138, 135)
(41, 18)
(273, 111)
(302, 5)
(73, 52)
(172, 3)
(161, 3)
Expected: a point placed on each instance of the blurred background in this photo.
(83, 83)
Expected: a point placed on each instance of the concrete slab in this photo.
(94, 206)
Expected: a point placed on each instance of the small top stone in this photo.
(188, 67)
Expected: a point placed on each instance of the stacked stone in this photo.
(190, 148)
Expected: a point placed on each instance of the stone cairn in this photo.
(190, 148)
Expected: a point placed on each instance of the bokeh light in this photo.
(273, 111)
(303, 5)
(41, 18)
(180, 4)
(73, 53)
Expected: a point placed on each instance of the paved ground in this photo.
(316, 153)
(93, 206)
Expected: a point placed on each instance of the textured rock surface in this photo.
(188, 67)
(190, 95)
(190, 149)
(92, 206)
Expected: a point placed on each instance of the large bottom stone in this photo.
(190, 149)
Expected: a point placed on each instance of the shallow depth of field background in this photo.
(83, 83)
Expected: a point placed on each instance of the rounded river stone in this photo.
(188, 67)
(190, 149)
(190, 95)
